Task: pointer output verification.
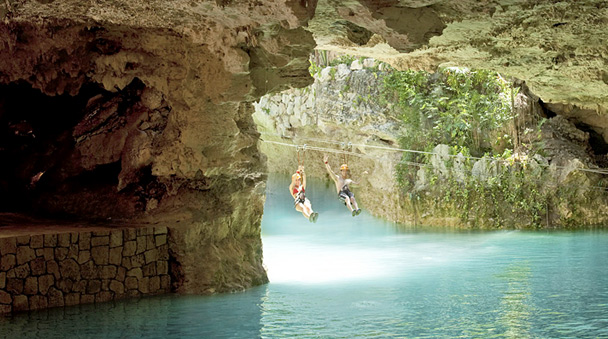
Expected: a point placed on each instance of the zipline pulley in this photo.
(346, 148)
(301, 158)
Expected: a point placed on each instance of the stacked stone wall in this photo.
(62, 269)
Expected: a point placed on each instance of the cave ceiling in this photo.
(560, 48)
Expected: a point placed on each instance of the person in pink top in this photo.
(298, 192)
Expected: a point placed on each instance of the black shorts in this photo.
(345, 194)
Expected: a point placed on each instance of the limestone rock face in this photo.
(403, 25)
(140, 111)
(345, 116)
(558, 47)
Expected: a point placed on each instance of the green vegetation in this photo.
(491, 170)
(322, 60)
(453, 107)
(314, 69)
(332, 73)
(344, 59)
(472, 111)
(507, 194)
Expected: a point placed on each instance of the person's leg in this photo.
(345, 199)
(308, 212)
(354, 203)
(356, 208)
(313, 215)
(308, 206)
(300, 208)
(350, 208)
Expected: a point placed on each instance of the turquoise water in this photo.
(346, 277)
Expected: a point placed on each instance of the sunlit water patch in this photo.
(347, 277)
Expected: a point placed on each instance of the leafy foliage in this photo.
(452, 107)
(343, 59)
(470, 110)
(314, 69)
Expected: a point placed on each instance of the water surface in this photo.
(348, 277)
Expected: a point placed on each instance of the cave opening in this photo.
(35, 136)
(355, 33)
(42, 173)
(547, 113)
(599, 146)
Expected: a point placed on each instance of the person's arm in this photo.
(328, 168)
(291, 189)
(303, 175)
(356, 182)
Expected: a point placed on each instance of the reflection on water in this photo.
(227, 316)
(346, 277)
(515, 308)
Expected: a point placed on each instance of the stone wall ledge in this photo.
(43, 266)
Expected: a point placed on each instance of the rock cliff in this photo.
(558, 47)
(140, 112)
(346, 115)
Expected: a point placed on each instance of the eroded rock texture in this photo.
(558, 47)
(140, 111)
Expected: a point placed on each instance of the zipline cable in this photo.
(321, 149)
(395, 149)
(411, 163)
